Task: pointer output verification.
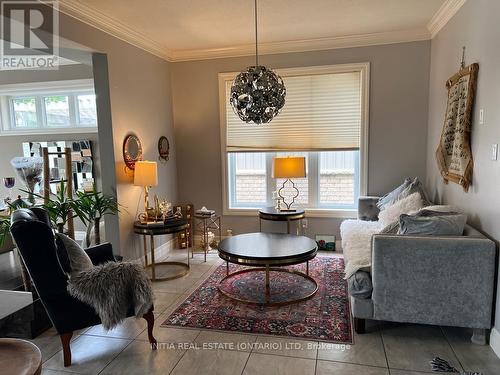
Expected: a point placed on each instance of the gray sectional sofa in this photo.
(438, 280)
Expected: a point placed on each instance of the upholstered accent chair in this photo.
(35, 241)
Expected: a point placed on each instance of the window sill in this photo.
(310, 213)
(42, 131)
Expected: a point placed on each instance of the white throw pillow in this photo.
(408, 205)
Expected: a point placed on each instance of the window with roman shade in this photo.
(322, 112)
(325, 119)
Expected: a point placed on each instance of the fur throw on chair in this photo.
(112, 289)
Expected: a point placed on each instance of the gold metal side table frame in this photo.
(267, 269)
(268, 264)
(154, 230)
(271, 214)
(204, 224)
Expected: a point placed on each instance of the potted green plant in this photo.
(4, 229)
(91, 208)
(60, 209)
(5, 220)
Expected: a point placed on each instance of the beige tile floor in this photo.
(387, 348)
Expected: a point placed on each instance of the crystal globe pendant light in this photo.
(257, 94)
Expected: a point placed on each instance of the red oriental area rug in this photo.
(324, 317)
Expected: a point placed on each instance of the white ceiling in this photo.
(188, 29)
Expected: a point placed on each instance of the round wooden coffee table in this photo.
(268, 253)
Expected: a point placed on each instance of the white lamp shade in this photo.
(289, 167)
(145, 173)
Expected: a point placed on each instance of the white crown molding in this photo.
(443, 15)
(93, 17)
(361, 40)
(109, 25)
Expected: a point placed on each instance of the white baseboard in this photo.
(495, 341)
(161, 252)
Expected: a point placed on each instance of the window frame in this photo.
(40, 90)
(313, 181)
(364, 69)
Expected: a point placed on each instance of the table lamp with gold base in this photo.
(146, 175)
(288, 168)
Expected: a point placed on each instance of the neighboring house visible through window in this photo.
(325, 119)
(60, 106)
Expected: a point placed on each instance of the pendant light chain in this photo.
(257, 93)
(256, 37)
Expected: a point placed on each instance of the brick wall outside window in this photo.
(250, 187)
(301, 184)
(335, 188)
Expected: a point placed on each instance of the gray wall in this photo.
(66, 72)
(476, 27)
(398, 120)
(140, 95)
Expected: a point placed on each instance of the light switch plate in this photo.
(494, 151)
(481, 116)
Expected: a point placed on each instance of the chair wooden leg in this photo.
(150, 318)
(65, 340)
(359, 325)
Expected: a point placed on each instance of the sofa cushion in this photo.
(360, 285)
(432, 223)
(362, 307)
(393, 196)
(408, 205)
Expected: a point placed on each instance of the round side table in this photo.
(272, 214)
(20, 357)
(159, 229)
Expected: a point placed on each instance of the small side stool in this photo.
(205, 223)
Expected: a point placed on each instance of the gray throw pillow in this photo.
(393, 228)
(432, 223)
(78, 258)
(393, 196)
(415, 186)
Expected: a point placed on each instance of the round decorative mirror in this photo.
(163, 149)
(132, 150)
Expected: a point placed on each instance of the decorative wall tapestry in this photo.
(454, 155)
(81, 158)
